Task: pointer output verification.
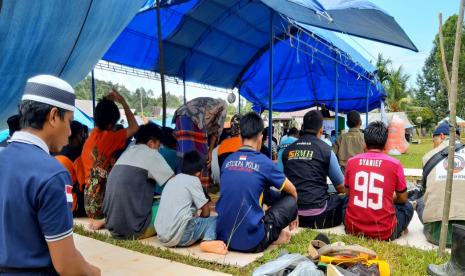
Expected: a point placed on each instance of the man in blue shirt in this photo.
(36, 233)
(247, 180)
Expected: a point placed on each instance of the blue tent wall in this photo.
(63, 38)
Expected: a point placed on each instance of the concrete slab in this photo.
(232, 258)
(114, 260)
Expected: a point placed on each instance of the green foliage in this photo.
(432, 90)
(84, 92)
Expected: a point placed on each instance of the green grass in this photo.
(402, 260)
(412, 159)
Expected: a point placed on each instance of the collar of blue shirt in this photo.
(29, 138)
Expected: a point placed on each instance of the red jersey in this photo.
(372, 178)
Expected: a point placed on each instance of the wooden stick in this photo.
(452, 123)
(443, 54)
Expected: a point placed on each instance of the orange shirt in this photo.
(229, 145)
(101, 145)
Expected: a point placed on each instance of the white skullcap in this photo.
(50, 90)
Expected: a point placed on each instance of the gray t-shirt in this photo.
(180, 200)
(130, 189)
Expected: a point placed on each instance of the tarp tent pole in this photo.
(336, 121)
(184, 89)
(368, 104)
(161, 63)
(270, 88)
(239, 101)
(93, 94)
(184, 82)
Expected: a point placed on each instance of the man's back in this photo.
(244, 177)
(32, 196)
(372, 178)
(306, 164)
(348, 145)
(435, 183)
(129, 192)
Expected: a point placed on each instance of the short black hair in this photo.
(168, 139)
(251, 125)
(76, 129)
(192, 163)
(313, 122)
(13, 124)
(106, 114)
(376, 135)
(148, 132)
(34, 114)
(293, 132)
(353, 119)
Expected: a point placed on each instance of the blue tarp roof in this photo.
(4, 134)
(81, 117)
(62, 38)
(305, 75)
(218, 43)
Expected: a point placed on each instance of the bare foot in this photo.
(405, 232)
(284, 237)
(96, 224)
(217, 247)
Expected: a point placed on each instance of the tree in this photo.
(432, 89)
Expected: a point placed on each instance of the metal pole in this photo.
(93, 94)
(239, 101)
(336, 123)
(452, 122)
(368, 105)
(270, 88)
(161, 63)
(184, 88)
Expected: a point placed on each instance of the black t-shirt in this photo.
(306, 165)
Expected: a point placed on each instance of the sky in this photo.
(418, 18)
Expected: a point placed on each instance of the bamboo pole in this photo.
(443, 54)
(452, 123)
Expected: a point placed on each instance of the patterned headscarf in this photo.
(235, 124)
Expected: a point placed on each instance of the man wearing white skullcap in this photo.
(36, 233)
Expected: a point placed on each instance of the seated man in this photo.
(246, 179)
(291, 137)
(307, 163)
(231, 144)
(372, 178)
(429, 207)
(129, 192)
(177, 222)
(351, 143)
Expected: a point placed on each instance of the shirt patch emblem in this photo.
(69, 194)
(243, 157)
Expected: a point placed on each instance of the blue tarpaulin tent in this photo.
(62, 38)
(81, 117)
(222, 43)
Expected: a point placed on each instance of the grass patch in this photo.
(402, 260)
(412, 159)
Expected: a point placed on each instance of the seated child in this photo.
(177, 223)
(372, 178)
